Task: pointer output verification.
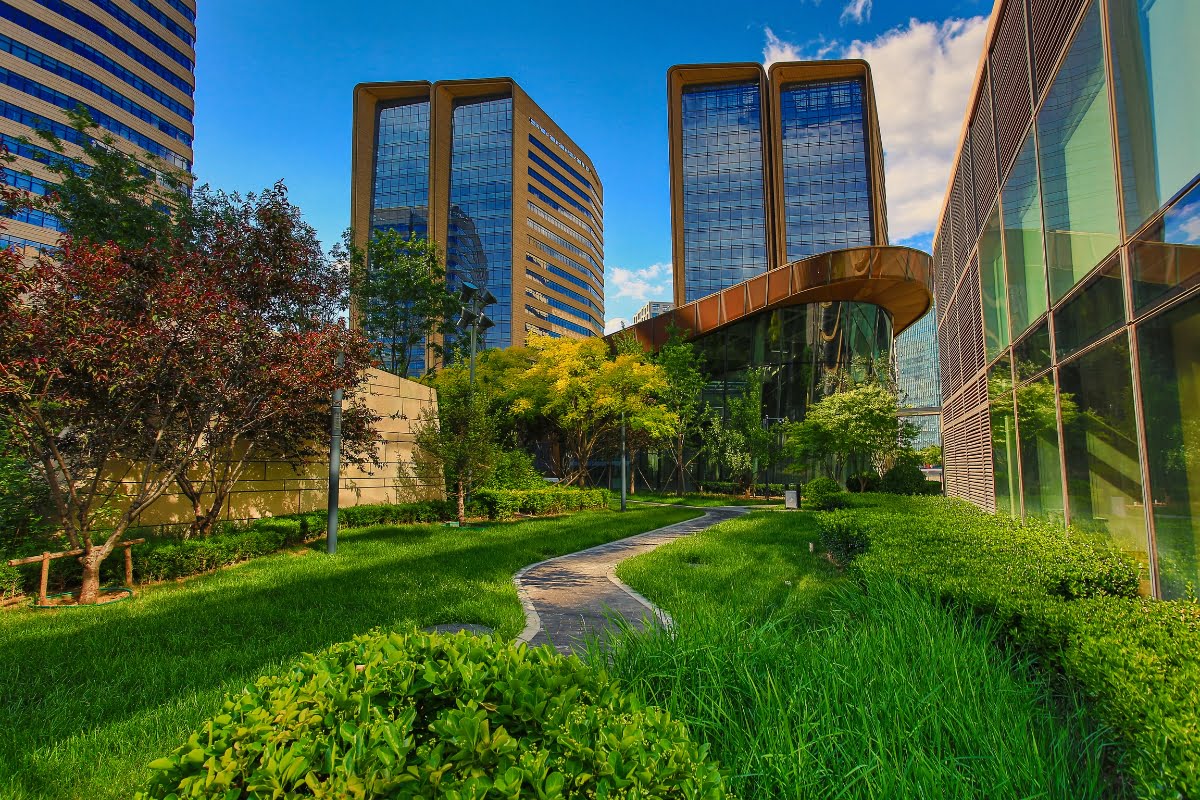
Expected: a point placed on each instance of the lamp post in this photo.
(474, 300)
(335, 459)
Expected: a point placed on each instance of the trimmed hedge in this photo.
(823, 494)
(504, 504)
(731, 488)
(1067, 596)
(428, 715)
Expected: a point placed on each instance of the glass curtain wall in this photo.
(480, 241)
(1168, 346)
(1025, 268)
(826, 180)
(724, 213)
(1075, 155)
(1004, 438)
(400, 192)
(1100, 444)
(1155, 63)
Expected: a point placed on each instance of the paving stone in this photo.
(572, 597)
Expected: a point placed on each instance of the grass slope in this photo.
(807, 686)
(90, 696)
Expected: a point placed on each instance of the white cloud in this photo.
(923, 74)
(614, 325)
(779, 50)
(856, 10)
(650, 283)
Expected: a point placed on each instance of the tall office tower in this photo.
(479, 168)
(129, 63)
(1068, 278)
(780, 229)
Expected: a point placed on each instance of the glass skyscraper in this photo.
(515, 205)
(134, 73)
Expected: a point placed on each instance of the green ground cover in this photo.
(699, 500)
(92, 695)
(807, 684)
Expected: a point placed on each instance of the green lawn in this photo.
(700, 500)
(807, 685)
(89, 696)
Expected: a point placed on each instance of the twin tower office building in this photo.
(779, 226)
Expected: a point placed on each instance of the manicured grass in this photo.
(807, 686)
(700, 500)
(91, 696)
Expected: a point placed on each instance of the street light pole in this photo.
(335, 465)
(624, 462)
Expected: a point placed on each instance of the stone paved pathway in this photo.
(567, 598)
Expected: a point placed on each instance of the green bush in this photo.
(905, 477)
(504, 504)
(1070, 598)
(394, 514)
(514, 470)
(823, 494)
(427, 715)
(863, 482)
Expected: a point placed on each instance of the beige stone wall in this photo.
(271, 488)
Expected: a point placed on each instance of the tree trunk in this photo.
(462, 502)
(90, 593)
(679, 468)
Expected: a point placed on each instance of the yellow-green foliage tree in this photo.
(578, 389)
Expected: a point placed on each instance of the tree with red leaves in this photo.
(133, 363)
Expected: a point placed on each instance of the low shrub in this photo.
(514, 469)
(823, 494)
(504, 504)
(427, 715)
(394, 514)
(863, 482)
(905, 477)
(1069, 597)
(728, 487)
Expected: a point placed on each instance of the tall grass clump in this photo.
(809, 685)
(887, 696)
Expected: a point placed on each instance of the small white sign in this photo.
(789, 499)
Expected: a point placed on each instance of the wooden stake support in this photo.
(46, 558)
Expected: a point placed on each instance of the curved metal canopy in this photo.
(898, 279)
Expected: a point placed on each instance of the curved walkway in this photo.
(571, 597)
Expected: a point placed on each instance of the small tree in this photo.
(400, 298)
(580, 390)
(101, 354)
(743, 443)
(683, 369)
(455, 444)
(271, 398)
(857, 427)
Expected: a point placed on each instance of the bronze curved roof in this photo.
(899, 279)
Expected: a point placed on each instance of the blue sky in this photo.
(274, 81)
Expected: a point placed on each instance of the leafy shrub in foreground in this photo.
(427, 715)
(823, 494)
(514, 469)
(504, 504)
(1068, 596)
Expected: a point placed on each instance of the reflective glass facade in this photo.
(916, 363)
(137, 83)
(1091, 410)
(724, 214)
(826, 181)
(479, 247)
(797, 346)
(400, 200)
